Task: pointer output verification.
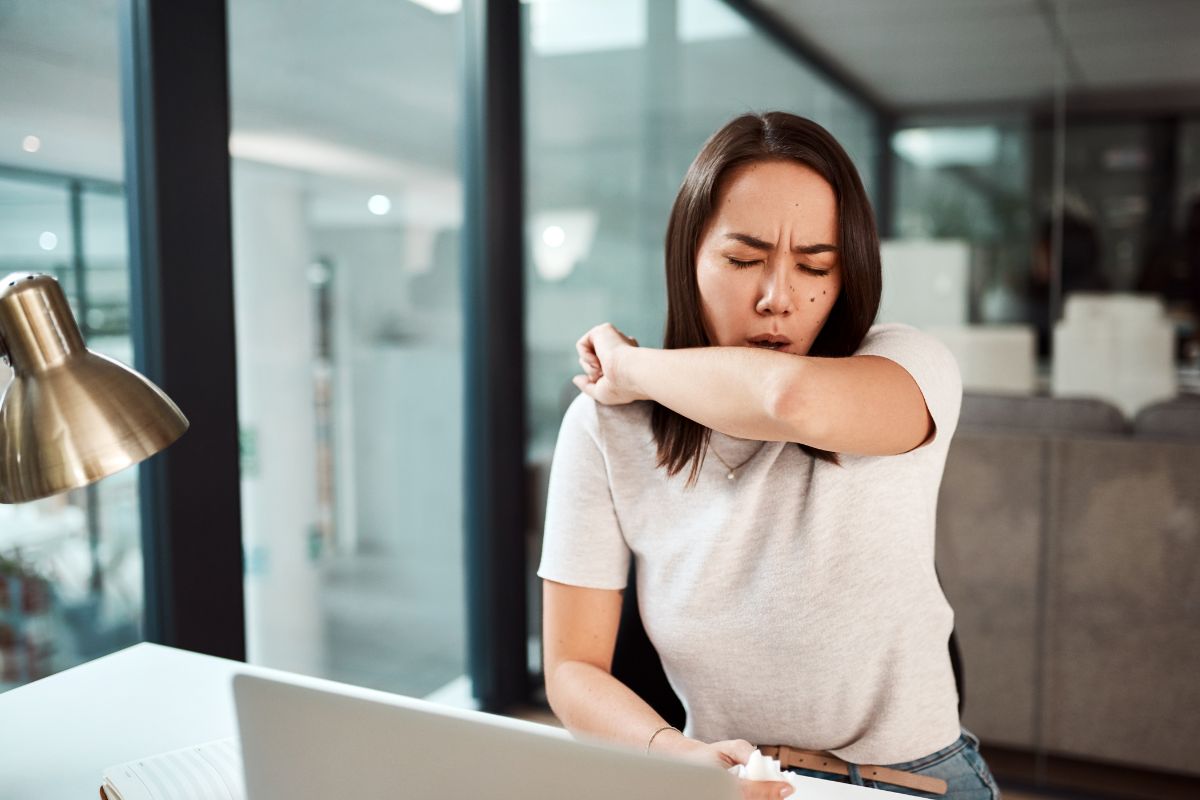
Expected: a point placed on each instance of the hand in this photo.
(600, 351)
(764, 790)
(727, 754)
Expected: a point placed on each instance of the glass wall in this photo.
(1054, 247)
(969, 180)
(620, 96)
(347, 209)
(1021, 229)
(70, 565)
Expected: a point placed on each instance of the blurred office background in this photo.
(1035, 168)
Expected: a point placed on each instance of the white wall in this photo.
(275, 405)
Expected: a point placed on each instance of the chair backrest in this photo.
(637, 664)
(1171, 419)
(1035, 414)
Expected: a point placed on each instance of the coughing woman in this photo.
(774, 472)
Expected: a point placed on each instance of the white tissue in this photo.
(764, 768)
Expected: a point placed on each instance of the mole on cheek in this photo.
(812, 299)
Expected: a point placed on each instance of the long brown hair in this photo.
(771, 136)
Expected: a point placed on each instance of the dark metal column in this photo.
(885, 175)
(175, 101)
(494, 359)
(91, 492)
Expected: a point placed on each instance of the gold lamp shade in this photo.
(69, 416)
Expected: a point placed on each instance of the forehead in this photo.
(771, 194)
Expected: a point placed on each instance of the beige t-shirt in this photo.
(796, 604)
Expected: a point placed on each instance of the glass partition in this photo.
(347, 210)
(70, 565)
(617, 106)
(1055, 244)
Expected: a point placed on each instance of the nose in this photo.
(775, 295)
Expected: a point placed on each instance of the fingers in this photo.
(592, 367)
(764, 790)
(588, 359)
(597, 391)
(737, 749)
(584, 346)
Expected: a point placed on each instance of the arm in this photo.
(579, 635)
(859, 404)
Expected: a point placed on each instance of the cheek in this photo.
(708, 284)
(718, 287)
(819, 294)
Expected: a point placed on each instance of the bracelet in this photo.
(657, 732)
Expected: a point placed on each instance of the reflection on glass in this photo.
(70, 565)
(614, 115)
(347, 209)
(1031, 266)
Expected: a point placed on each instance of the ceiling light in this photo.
(948, 147)
(565, 240)
(587, 26)
(440, 6)
(379, 205)
(47, 241)
(31, 144)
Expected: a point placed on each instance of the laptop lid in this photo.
(308, 738)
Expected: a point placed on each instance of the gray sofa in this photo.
(1069, 546)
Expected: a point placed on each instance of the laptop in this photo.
(310, 738)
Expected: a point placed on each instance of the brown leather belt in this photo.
(824, 762)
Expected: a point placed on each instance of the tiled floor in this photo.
(382, 629)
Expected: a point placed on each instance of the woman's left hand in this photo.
(600, 351)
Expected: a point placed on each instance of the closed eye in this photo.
(738, 264)
(742, 264)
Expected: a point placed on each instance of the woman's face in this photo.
(768, 265)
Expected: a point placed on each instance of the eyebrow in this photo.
(801, 249)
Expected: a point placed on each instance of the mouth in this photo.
(769, 342)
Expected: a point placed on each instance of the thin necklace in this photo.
(730, 476)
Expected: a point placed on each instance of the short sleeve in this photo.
(582, 544)
(932, 366)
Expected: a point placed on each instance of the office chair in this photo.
(636, 663)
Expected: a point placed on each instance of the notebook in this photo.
(208, 771)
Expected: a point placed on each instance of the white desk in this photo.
(57, 735)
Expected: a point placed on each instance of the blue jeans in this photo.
(965, 772)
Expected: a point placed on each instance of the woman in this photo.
(788, 582)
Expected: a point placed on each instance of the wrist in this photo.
(672, 742)
(625, 368)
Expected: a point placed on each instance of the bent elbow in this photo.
(550, 679)
(789, 405)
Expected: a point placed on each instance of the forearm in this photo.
(591, 702)
(738, 391)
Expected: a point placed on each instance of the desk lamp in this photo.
(68, 417)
